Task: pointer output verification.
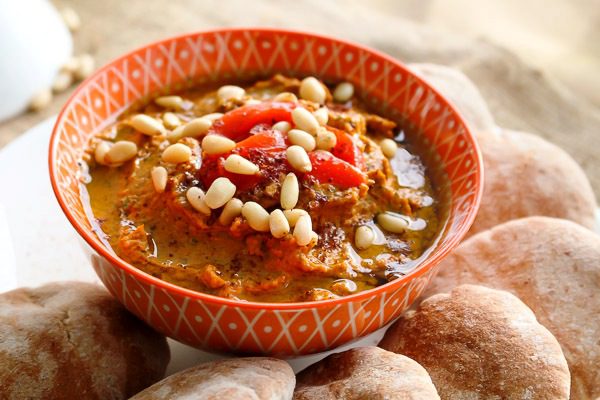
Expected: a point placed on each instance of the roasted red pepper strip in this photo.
(327, 168)
(262, 136)
(346, 149)
(236, 124)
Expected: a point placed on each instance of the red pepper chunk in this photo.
(346, 149)
(263, 137)
(236, 124)
(327, 168)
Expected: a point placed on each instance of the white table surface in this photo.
(45, 247)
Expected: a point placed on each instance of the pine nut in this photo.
(282, 126)
(172, 102)
(121, 151)
(171, 120)
(314, 238)
(322, 115)
(388, 147)
(217, 144)
(392, 223)
(147, 125)
(252, 102)
(176, 153)
(230, 92)
(195, 196)
(293, 215)
(257, 216)
(364, 237)
(40, 100)
(232, 209)
(100, 152)
(278, 224)
(71, 65)
(175, 134)
(197, 127)
(343, 92)
(62, 81)
(70, 18)
(159, 178)
(220, 192)
(302, 139)
(326, 140)
(237, 164)
(289, 192)
(298, 159)
(303, 119)
(311, 89)
(286, 96)
(303, 230)
(85, 66)
(212, 116)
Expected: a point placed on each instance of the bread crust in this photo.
(553, 266)
(480, 343)
(256, 378)
(73, 340)
(365, 373)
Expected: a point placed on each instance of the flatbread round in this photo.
(365, 373)
(73, 340)
(480, 343)
(255, 378)
(525, 176)
(554, 267)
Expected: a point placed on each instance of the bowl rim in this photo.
(429, 261)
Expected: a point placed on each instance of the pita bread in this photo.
(526, 176)
(257, 378)
(365, 373)
(480, 343)
(73, 340)
(554, 267)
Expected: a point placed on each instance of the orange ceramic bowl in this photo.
(219, 324)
